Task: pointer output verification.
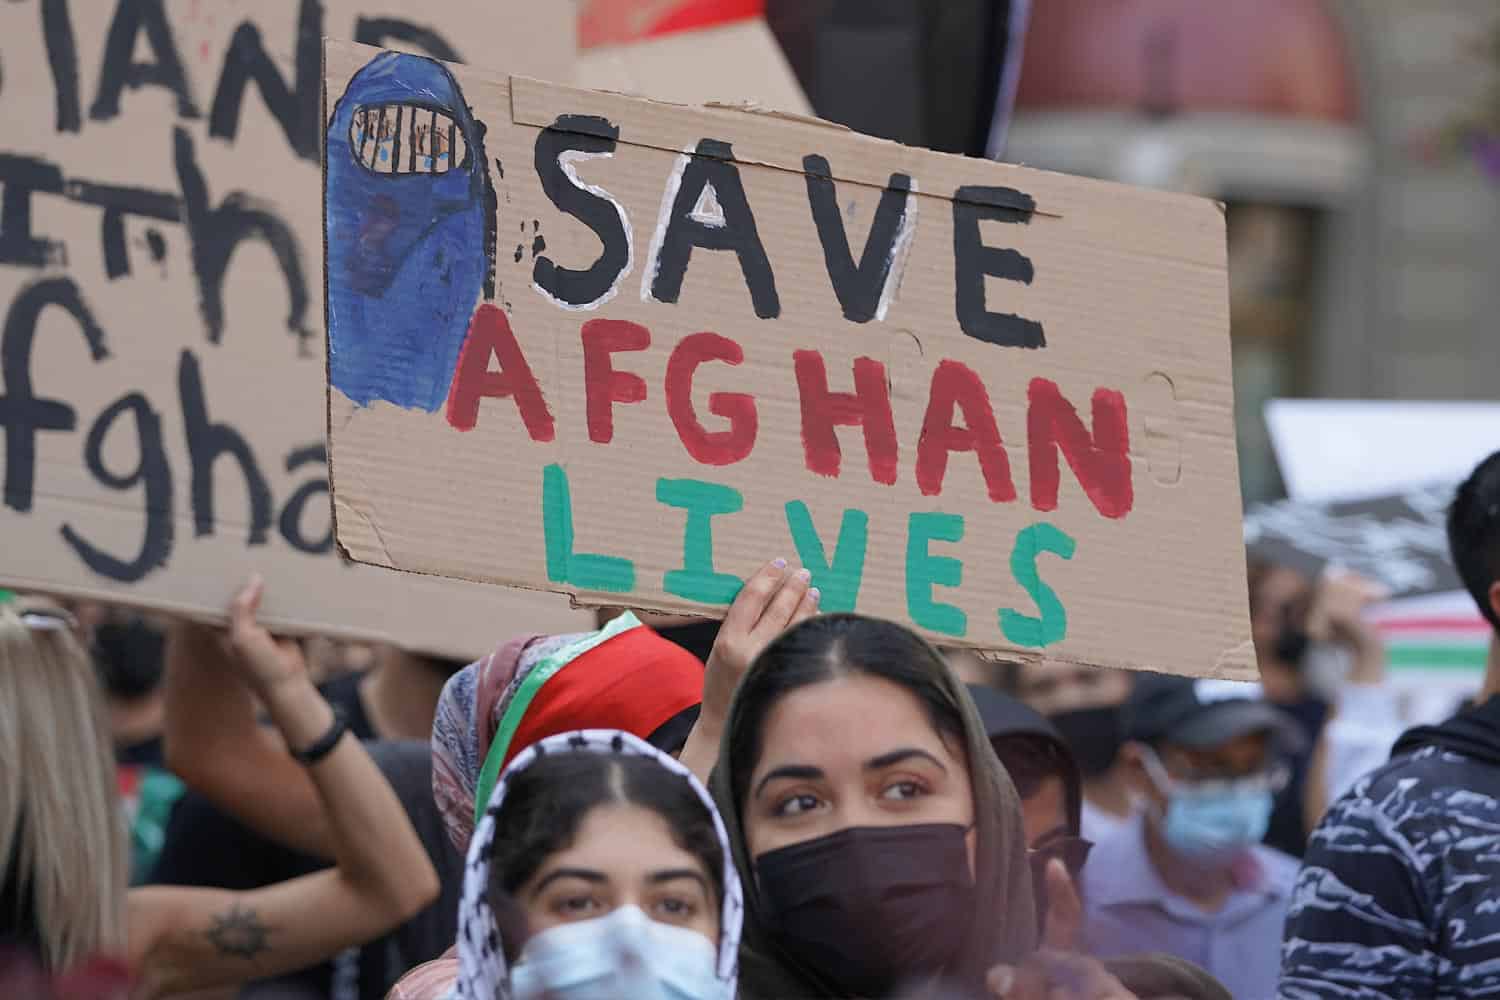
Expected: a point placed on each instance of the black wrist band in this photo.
(325, 743)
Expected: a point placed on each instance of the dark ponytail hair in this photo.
(830, 646)
(546, 803)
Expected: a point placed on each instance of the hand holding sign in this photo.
(265, 663)
(772, 601)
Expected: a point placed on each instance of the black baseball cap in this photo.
(1202, 713)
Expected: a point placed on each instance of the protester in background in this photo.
(254, 819)
(600, 868)
(925, 74)
(622, 676)
(884, 838)
(1324, 665)
(693, 633)
(1051, 791)
(1189, 877)
(1397, 891)
(1085, 704)
(128, 652)
(980, 671)
(63, 894)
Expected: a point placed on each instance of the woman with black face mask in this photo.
(880, 838)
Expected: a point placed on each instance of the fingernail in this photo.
(779, 563)
(815, 594)
(1001, 979)
(804, 575)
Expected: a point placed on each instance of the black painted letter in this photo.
(380, 31)
(291, 514)
(152, 471)
(20, 177)
(973, 262)
(120, 70)
(710, 211)
(861, 290)
(206, 441)
(216, 232)
(62, 57)
(22, 414)
(585, 137)
(296, 107)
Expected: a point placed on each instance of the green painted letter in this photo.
(583, 570)
(838, 580)
(697, 580)
(925, 570)
(1024, 630)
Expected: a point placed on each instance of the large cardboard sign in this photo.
(630, 351)
(161, 354)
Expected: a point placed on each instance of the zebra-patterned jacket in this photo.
(1399, 893)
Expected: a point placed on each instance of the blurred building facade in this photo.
(1357, 146)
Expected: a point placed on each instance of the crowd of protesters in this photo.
(784, 804)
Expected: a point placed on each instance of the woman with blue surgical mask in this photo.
(600, 870)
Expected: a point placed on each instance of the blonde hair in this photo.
(59, 803)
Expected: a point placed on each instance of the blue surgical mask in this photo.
(1213, 820)
(1213, 823)
(624, 954)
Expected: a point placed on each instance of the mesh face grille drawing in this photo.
(407, 139)
(408, 211)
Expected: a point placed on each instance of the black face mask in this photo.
(129, 658)
(1094, 735)
(871, 907)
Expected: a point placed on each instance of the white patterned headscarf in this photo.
(483, 974)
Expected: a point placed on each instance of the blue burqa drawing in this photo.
(408, 211)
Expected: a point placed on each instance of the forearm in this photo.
(214, 743)
(208, 709)
(369, 835)
(701, 751)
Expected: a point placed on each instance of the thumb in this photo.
(1064, 908)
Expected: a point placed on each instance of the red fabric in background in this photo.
(707, 13)
(617, 22)
(635, 681)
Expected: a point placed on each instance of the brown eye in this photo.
(406, 139)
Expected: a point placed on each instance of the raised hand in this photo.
(772, 601)
(259, 658)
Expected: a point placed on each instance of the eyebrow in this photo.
(586, 874)
(897, 756)
(673, 874)
(805, 772)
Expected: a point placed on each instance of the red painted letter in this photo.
(490, 334)
(868, 407)
(1101, 461)
(955, 384)
(603, 387)
(710, 447)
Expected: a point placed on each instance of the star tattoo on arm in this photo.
(239, 932)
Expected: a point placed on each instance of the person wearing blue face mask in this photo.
(1189, 876)
(600, 870)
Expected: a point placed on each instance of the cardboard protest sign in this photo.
(631, 351)
(161, 354)
(1399, 541)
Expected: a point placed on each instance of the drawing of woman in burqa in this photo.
(409, 223)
